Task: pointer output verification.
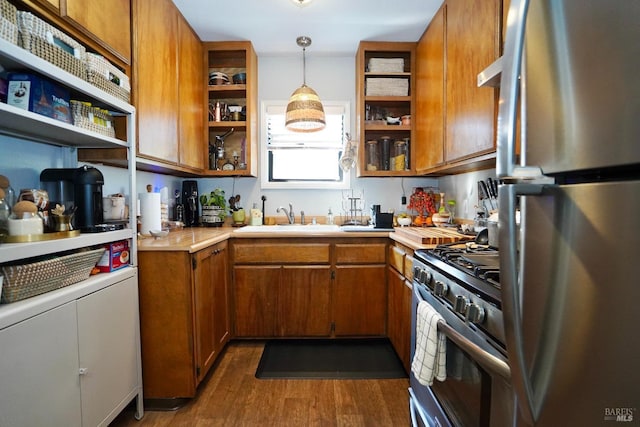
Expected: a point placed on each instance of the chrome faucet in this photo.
(289, 214)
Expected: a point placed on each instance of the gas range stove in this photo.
(466, 278)
(477, 265)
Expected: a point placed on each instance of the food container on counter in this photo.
(29, 224)
(113, 207)
(115, 257)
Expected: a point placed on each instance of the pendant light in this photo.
(301, 3)
(304, 111)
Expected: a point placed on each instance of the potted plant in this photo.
(214, 208)
(423, 203)
(237, 212)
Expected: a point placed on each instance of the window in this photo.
(303, 160)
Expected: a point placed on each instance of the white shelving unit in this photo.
(117, 290)
(35, 127)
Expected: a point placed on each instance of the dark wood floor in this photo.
(232, 396)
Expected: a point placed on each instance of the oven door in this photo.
(477, 390)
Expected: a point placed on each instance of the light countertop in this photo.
(187, 239)
(197, 238)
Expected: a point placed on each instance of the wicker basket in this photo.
(8, 22)
(103, 74)
(386, 65)
(27, 280)
(92, 118)
(387, 87)
(51, 44)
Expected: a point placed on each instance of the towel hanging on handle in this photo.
(429, 360)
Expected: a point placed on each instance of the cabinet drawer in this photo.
(408, 267)
(396, 258)
(272, 253)
(362, 253)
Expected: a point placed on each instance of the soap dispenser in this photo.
(330, 217)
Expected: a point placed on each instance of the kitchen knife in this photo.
(493, 194)
(494, 184)
(484, 191)
(483, 195)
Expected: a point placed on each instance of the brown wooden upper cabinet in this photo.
(167, 86)
(55, 4)
(155, 74)
(463, 38)
(102, 26)
(167, 89)
(190, 90)
(108, 22)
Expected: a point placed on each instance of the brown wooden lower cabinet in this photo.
(298, 289)
(360, 300)
(400, 276)
(399, 330)
(282, 301)
(184, 321)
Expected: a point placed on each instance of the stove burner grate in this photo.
(476, 260)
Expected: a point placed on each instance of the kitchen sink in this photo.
(310, 228)
(290, 228)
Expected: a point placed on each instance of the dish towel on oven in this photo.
(429, 360)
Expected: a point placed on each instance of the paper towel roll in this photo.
(149, 212)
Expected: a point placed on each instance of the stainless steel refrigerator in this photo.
(570, 98)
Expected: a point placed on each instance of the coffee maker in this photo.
(190, 203)
(78, 189)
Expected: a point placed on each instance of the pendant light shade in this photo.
(302, 3)
(304, 111)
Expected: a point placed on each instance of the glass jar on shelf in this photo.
(5, 212)
(399, 155)
(385, 153)
(373, 155)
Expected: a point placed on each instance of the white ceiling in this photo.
(335, 26)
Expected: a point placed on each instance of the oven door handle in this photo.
(487, 360)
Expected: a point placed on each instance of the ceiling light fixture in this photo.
(304, 111)
(301, 3)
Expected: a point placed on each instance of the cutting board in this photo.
(431, 235)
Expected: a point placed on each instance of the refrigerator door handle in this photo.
(511, 285)
(506, 166)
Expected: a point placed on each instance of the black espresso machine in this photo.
(78, 189)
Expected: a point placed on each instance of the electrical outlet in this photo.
(404, 200)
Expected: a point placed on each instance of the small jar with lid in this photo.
(372, 155)
(5, 212)
(9, 193)
(400, 155)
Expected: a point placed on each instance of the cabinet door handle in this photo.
(82, 371)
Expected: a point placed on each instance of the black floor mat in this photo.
(332, 359)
